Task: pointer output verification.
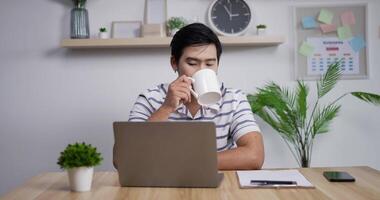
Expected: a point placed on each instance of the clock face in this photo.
(230, 17)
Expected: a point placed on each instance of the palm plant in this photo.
(287, 111)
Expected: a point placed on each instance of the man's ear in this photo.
(173, 64)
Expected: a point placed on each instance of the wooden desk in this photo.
(106, 186)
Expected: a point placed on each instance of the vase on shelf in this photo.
(79, 26)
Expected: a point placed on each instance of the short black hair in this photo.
(194, 34)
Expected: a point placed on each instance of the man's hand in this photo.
(178, 92)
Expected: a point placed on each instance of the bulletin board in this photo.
(327, 33)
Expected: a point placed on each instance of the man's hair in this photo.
(195, 34)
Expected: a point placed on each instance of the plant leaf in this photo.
(329, 79)
(301, 109)
(323, 118)
(367, 97)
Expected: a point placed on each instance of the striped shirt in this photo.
(232, 115)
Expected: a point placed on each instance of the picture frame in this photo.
(302, 64)
(126, 29)
(155, 12)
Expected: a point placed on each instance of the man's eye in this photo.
(192, 64)
(210, 65)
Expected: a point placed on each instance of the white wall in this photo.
(50, 96)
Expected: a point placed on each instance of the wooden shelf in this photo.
(162, 42)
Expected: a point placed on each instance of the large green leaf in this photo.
(323, 118)
(301, 109)
(367, 97)
(329, 79)
(268, 114)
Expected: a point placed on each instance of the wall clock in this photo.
(229, 17)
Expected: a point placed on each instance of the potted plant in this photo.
(79, 160)
(103, 33)
(260, 28)
(288, 112)
(174, 24)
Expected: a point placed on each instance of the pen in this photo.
(271, 182)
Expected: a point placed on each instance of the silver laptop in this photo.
(166, 154)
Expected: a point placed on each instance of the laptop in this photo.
(166, 154)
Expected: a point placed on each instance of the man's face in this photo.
(195, 58)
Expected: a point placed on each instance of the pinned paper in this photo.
(348, 18)
(344, 32)
(327, 28)
(325, 16)
(309, 22)
(357, 43)
(306, 49)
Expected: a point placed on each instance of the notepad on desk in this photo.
(272, 179)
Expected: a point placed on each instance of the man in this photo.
(239, 142)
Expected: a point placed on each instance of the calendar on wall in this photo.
(327, 33)
(327, 51)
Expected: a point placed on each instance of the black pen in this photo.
(271, 182)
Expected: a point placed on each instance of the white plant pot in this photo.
(103, 35)
(173, 32)
(260, 31)
(80, 178)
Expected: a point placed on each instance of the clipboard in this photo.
(245, 177)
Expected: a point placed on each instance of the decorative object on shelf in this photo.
(79, 160)
(155, 18)
(103, 34)
(260, 29)
(175, 23)
(126, 29)
(288, 113)
(79, 23)
(230, 17)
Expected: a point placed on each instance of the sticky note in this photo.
(344, 32)
(348, 18)
(306, 49)
(327, 28)
(357, 43)
(309, 22)
(325, 16)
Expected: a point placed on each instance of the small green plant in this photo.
(261, 26)
(176, 23)
(103, 30)
(79, 3)
(79, 155)
(295, 118)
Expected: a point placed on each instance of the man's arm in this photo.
(249, 153)
(178, 92)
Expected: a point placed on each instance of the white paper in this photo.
(329, 50)
(245, 177)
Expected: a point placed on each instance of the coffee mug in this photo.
(206, 87)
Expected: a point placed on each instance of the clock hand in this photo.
(229, 13)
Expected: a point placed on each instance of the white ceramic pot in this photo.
(103, 35)
(172, 32)
(80, 178)
(261, 31)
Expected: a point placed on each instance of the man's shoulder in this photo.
(232, 93)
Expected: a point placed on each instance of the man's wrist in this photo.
(166, 110)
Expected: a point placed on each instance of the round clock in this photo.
(229, 17)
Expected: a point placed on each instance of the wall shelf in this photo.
(162, 42)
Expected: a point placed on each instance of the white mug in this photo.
(206, 87)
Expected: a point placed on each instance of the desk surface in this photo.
(106, 186)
